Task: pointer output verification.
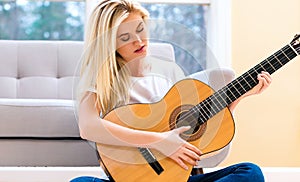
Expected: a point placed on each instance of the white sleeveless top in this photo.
(155, 84)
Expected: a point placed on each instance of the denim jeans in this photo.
(242, 172)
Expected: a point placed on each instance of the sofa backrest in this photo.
(46, 69)
(38, 69)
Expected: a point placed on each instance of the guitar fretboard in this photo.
(235, 89)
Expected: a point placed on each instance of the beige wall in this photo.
(267, 125)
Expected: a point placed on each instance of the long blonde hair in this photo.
(102, 69)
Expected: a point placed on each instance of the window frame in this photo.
(219, 24)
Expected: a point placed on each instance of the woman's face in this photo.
(132, 38)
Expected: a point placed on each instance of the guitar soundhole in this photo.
(182, 116)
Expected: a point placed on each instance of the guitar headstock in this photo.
(296, 43)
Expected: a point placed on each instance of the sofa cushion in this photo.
(38, 69)
(38, 118)
(35, 59)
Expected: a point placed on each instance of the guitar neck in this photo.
(235, 89)
(248, 80)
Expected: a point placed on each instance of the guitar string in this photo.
(282, 52)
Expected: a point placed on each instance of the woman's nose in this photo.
(138, 39)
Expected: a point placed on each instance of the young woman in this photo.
(116, 71)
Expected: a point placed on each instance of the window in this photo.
(199, 30)
(184, 26)
(41, 20)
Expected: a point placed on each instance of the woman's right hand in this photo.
(173, 146)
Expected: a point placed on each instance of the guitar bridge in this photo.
(151, 160)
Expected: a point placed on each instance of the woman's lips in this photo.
(140, 50)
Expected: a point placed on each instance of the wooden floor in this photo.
(64, 174)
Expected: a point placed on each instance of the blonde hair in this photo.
(102, 69)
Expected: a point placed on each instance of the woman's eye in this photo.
(125, 38)
(140, 29)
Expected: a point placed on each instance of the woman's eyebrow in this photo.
(128, 33)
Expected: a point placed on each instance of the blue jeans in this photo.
(243, 172)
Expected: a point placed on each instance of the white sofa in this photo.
(38, 125)
(37, 122)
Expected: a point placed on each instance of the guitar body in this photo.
(127, 164)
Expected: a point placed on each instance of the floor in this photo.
(64, 174)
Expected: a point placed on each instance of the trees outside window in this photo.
(41, 20)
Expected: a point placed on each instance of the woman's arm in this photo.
(264, 81)
(93, 128)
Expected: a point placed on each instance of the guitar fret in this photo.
(271, 65)
(251, 77)
(281, 57)
(227, 95)
(246, 81)
(208, 108)
(205, 111)
(220, 99)
(221, 105)
(277, 57)
(220, 96)
(275, 63)
(261, 66)
(277, 60)
(216, 103)
(285, 54)
(210, 105)
(255, 70)
(237, 81)
(203, 116)
(235, 88)
(232, 93)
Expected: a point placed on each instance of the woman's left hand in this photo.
(264, 81)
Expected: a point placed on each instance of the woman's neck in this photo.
(138, 68)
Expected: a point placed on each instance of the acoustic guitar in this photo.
(188, 102)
